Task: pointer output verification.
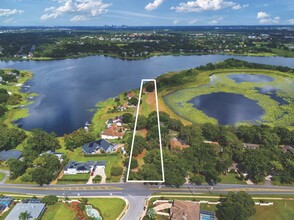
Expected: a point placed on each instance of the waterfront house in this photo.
(251, 146)
(97, 147)
(113, 132)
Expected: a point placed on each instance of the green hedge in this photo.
(97, 179)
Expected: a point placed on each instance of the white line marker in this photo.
(159, 134)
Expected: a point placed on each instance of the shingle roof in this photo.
(185, 210)
(94, 146)
(10, 154)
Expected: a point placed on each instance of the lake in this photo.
(239, 78)
(69, 89)
(228, 108)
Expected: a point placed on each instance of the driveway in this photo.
(98, 171)
(6, 172)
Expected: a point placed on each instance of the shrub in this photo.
(116, 171)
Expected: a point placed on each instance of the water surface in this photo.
(228, 108)
(239, 78)
(69, 89)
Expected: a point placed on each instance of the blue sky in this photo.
(145, 12)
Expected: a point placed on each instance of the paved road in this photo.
(135, 192)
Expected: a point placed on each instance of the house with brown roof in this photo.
(131, 95)
(113, 132)
(177, 143)
(185, 210)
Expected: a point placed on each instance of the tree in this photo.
(14, 99)
(133, 101)
(139, 145)
(127, 118)
(134, 163)
(150, 87)
(149, 172)
(151, 213)
(77, 139)
(141, 122)
(196, 179)
(210, 131)
(3, 109)
(42, 176)
(17, 168)
(41, 141)
(24, 215)
(191, 134)
(11, 137)
(4, 96)
(116, 171)
(237, 206)
(50, 199)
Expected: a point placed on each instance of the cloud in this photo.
(84, 8)
(291, 21)
(154, 5)
(9, 12)
(216, 20)
(206, 5)
(261, 15)
(79, 18)
(193, 21)
(265, 18)
(9, 21)
(176, 21)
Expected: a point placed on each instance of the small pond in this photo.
(239, 78)
(272, 93)
(228, 108)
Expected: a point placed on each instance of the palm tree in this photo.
(24, 215)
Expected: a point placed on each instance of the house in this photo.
(130, 95)
(35, 211)
(176, 143)
(113, 132)
(117, 121)
(5, 202)
(251, 146)
(10, 154)
(287, 148)
(97, 147)
(1, 79)
(74, 167)
(185, 210)
(59, 155)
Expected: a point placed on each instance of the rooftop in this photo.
(84, 165)
(10, 154)
(185, 210)
(93, 146)
(35, 210)
(113, 131)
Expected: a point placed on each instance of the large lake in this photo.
(69, 89)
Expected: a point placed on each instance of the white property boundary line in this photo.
(134, 134)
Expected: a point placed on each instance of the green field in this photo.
(279, 115)
(231, 178)
(281, 210)
(109, 209)
(58, 211)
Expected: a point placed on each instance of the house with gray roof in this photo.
(10, 154)
(97, 147)
(74, 167)
(35, 211)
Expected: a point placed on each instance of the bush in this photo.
(97, 179)
(50, 200)
(116, 171)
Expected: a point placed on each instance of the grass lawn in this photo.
(109, 209)
(58, 211)
(2, 175)
(231, 178)
(281, 210)
(74, 178)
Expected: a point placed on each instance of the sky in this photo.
(145, 12)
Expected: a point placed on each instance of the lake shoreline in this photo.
(139, 58)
